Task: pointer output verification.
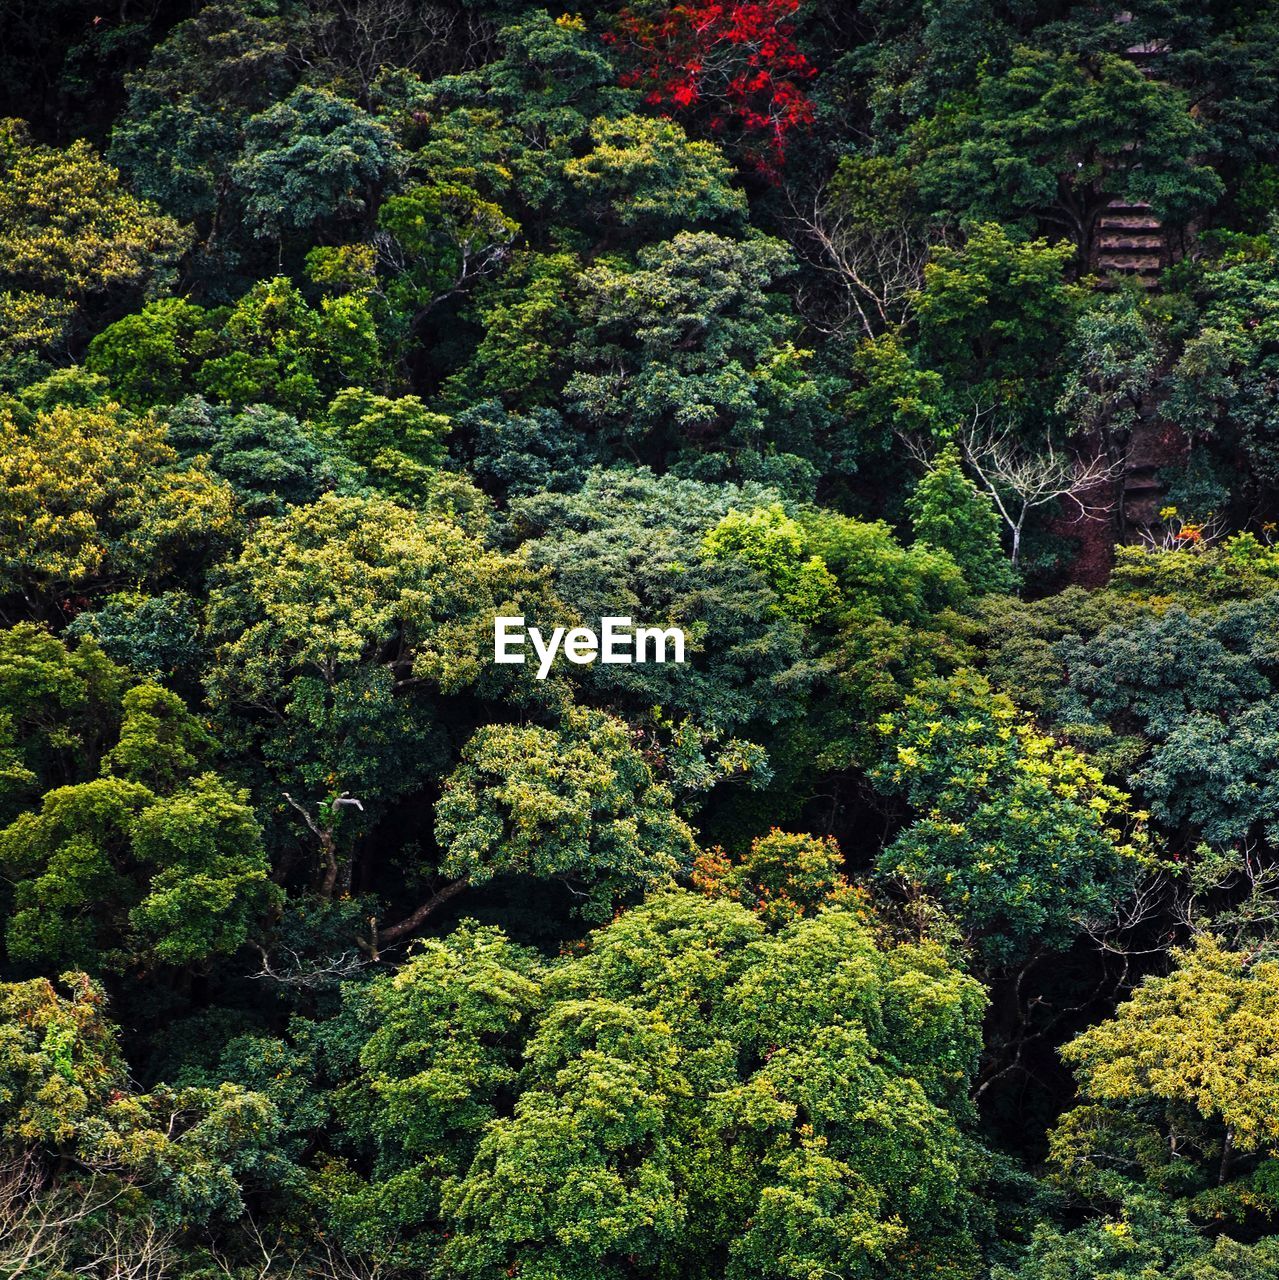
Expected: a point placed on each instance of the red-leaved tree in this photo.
(733, 67)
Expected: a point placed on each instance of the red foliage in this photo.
(736, 66)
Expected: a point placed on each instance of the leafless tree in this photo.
(877, 269)
(134, 1251)
(34, 1226)
(262, 1258)
(1020, 479)
(361, 37)
(44, 1230)
(330, 1263)
(1141, 925)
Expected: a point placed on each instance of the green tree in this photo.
(682, 1089)
(1020, 838)
(274, 348)
(948, 511)
(1195, 695)
(332, 629)
(1197, 575)
(782, 876)
(267, 456)
(398, 442)
(59, 708)
(443, 238)
(994, 319)
(1058, 137)
(770, 541)
(528, 318)
(1147, 1237)
(509, 127)
(176, 1158)
(580, 1178)
(157, 636)
(60, 1059)
(1116, 357)
(653, 1129)
(578, 803)
(183, 126)
(889, 394)
(435, 1052)
(271, 347)
(150, 357)
(160, 742)
(149, 863)
(518, 455)
(646, 176)
(742, 646)
(689, 349)
(92, 496)
(894, 624)
(1175, 1099)
(1224, 378)
(311, 161)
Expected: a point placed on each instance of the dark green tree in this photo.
(312, 161)
(1058, 137)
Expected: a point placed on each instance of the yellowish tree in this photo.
(94, 495)
(72, 240)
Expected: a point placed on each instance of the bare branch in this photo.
(134, 1251)
(330, 1263)
(325, 832)
(307, 975)
(269, 1260)
(1175, 534)
(43, 1229)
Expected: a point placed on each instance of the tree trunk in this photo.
(410, 922)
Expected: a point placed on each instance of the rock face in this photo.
(1155, 444)
(1095, 551)
(1122, 511)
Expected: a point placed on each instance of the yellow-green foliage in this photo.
(70, 232)
(93, 495)
(1020, 837)
(1178, 1090)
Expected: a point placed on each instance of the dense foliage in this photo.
(918, 361)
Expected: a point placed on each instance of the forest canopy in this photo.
(916, 363)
